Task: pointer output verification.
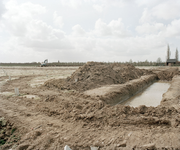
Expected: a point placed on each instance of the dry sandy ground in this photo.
(48, 118)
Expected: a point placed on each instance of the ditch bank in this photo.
(113, 84)
(118, 93)
(172, 96)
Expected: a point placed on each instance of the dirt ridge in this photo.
(95, 74)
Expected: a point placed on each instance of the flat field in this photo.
(51, 112)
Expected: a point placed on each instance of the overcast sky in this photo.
(88, 30)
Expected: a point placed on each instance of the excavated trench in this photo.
(147, 90)
(118, 93)
(151, 96)
(112, 83)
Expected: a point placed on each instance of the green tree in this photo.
(177, 55)
(130, 61)
(168, 52)
(159, 60)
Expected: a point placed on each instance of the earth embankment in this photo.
(117, 93)
(93, 75)
(172, 96)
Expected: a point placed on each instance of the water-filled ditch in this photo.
(151, 96)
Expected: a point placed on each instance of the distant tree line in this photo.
(138, 63)
(21, 64)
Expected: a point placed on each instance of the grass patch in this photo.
(13, 130)
(2, 142)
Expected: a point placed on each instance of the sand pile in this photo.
(95, 74)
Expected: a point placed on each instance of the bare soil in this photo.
(95, 74)
(60, 114)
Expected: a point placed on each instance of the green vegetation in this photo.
(77, 64)
(2, 142)
(12, 131)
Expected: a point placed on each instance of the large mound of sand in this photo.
(95, 74)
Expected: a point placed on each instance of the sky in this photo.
(88, 30)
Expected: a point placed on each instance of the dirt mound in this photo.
(98, 114)
(95, 74)
(168, 74)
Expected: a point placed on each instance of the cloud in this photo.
(153, 28)
(22, 24)
(98, 8)
(44, 37)
(39, 30)
(114, 28)
(2, 8)
(36, 31)
(117, 3)
(78, 30)
(98, 5)
(167, 10)
(102, 28)
(147, 3)
(58, 20)
(72, 3)
(166, 31)
(146, 16)
(173, 29)
(17, 17)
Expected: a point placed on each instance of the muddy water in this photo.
(151, 96)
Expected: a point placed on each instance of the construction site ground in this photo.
(49, 116)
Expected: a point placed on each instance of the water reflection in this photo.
(151, 96)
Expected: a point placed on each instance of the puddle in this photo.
(151, 96)
(31, 96)
(7, 93)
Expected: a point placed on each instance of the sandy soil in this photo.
(50, 118)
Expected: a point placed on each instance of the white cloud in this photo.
(98, 5)
(146, 16)
(36, 31)
(21, 22)
(18, 17)
(2, 8)
(173, 29)
(98, 8)
(167, 10)
(58, 20)
(114, 28)
(39, 30)
(117, 3)
(102, 28)
(44, 37)
(147, 28)
(147, 3)
(72, 3)
(78, 30)
(166, 31)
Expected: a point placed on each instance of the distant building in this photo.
(169, 62)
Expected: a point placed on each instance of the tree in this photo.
(146, 62)
(159, 60)
(168, 52)
(177, 55)
(130, 61)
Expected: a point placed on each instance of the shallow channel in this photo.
(151, 96)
